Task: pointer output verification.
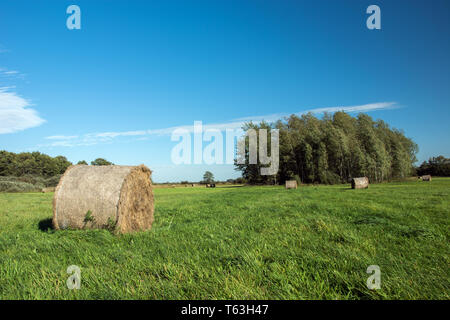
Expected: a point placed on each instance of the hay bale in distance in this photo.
(112, 197)
(426, 177)
(291, 184)
(360, 183)
(49, 189)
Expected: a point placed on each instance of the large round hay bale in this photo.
(291, 184)
(360, 183)
(113, 197)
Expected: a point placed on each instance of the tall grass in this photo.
(315, 242)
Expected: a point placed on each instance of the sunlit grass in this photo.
(240, 243)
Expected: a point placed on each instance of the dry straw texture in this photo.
(114, 197)
(360, 183)
(291, 184)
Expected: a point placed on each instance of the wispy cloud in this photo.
(15, 114)
(5, 73)
(2, 49)
(362, 108)
(120, 134)
(61, 137)
(349, 109)
(107, 137)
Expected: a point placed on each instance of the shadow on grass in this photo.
(46, 225)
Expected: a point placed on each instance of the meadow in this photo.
(262, 242)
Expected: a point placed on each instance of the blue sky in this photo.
(137, 68)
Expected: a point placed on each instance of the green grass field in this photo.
(240, 243)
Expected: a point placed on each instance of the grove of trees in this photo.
(100, 162)
(31, 163)
(37, 164)
(436, 166)
(334, 149)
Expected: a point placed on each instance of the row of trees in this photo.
(208, 177)
(436, 166)
(36, 163)
(31, 163)
(97, 162)
(334, 149)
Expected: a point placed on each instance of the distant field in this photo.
(240, 243)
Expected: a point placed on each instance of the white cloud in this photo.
(10, 74)
(120, 134)
(351, 109)
(61, 137)
(3, 50)
(268, 118)
(15, 114)
(107, 137)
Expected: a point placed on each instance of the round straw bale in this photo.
(360, 183)
(291, 184)
(112, 197)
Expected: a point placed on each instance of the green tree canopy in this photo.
(435, 166)
(334, 149)
(208, 177)
(101, 162)
(31, 163)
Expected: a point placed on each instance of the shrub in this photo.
(38, 181)
(52, 181)
(17, 186)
